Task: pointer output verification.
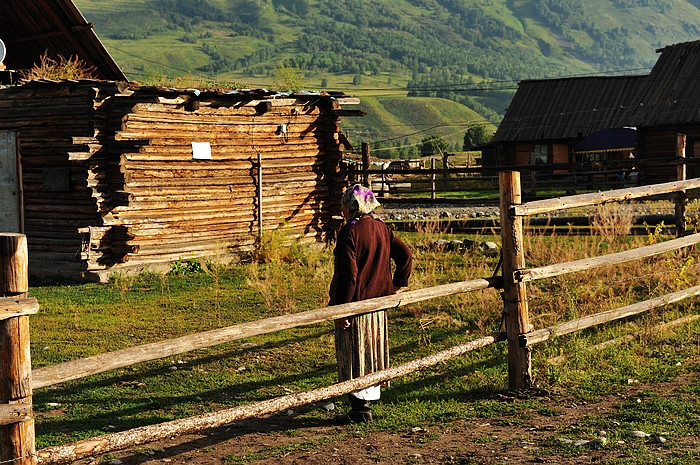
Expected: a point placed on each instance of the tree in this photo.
(433, 145)
(288, 78)
(475, 135)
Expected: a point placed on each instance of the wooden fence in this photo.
(431, 183)
(16, 427)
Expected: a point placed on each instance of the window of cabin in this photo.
(539, 154)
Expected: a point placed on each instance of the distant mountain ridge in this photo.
(472, 52)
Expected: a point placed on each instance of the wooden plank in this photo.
(13, 306)
(541, 335)
(76, 369)
(17, 438)
(630, 337)
(582, 200)
(604, 260)
(14, 413)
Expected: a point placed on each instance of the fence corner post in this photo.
(514, 293)
(17, 444)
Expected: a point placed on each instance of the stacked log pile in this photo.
(138, 197)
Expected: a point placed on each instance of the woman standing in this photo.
(363, 254)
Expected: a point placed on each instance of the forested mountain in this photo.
(469, 51)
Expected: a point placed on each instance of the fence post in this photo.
(681, 197)
(260, 197)
(365, 164)
(16, 437)
(432, 178)
(514, 293)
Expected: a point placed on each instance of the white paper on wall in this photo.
(201, 151)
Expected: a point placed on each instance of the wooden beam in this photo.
(597, 198)
(540, 335)
(14, 413)
(629, 337)
(100, 363)
(16, 438)
(12, 306)
(584, 264)
(515, 309)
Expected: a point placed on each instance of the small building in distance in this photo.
(548, 118)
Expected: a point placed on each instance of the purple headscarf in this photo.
(359, 200)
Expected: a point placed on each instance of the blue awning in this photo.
(608, 139)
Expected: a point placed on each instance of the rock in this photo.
(489, 248)
(328, 406)
(114, 462)
(599, 442)
(468, 243)
(638, 434)
(659, 439)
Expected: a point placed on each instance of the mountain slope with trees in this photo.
(471, 52)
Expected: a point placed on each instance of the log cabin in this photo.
(114, 176)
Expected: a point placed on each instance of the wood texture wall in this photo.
(137, 197)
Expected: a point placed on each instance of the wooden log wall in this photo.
(661, 142)
(136, 195)
(180, 208)
(52, 122)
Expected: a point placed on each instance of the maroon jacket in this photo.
(363, 255)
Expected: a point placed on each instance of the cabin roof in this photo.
(557, 109)
(672, 95)
(568, 107)
(32, 28)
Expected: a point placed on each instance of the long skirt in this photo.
(363, 348)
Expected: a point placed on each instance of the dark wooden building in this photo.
(33, 28)
(670, 105)
(547, 118)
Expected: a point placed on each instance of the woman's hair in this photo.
(359, 200)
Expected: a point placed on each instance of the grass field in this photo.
(77, 320)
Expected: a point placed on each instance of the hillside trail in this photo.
(528, 436)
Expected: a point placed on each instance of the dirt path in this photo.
(525, 437)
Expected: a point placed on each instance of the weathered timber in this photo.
(126, 148)
(76, 369)
(541, 335)
(145, 434)
(515, 308)
(14, 306)
(16, 438)
(582, 200)
(655, 330)
(558, 269)
(14, 413)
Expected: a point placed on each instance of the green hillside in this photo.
(471, 52)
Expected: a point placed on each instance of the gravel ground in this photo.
(404, 212)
